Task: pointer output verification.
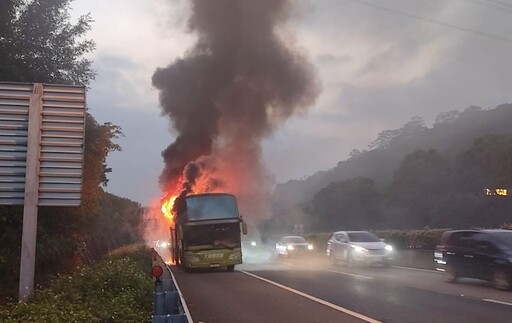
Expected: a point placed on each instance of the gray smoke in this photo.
(231, 89)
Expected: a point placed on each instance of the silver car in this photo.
(358, 247)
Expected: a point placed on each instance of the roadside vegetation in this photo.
(116, 289)
(39, 43)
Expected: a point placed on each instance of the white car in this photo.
(358, 247)
(293, 246)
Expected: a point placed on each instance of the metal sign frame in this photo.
(42, 133)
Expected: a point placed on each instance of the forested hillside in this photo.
(411, 177)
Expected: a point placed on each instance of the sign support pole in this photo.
(28, 244)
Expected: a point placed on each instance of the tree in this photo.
(384, 139)
(352, 204)
(412, 128)
(420, 185)
(487, 164)
(115, 223)
(39, 44)
(447, 118)
(387, 137)
(8, 9)
(99, 142)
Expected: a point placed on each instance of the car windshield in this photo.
(294, 240)
(504, 239)
(362, 237)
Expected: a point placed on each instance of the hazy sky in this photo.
(381, 63)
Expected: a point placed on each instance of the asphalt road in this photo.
(312, 290)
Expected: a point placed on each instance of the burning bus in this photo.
(206, 231)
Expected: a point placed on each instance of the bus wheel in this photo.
(231, 267)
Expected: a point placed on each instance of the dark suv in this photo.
(480, 254)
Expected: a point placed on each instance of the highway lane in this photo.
(410, 277)
(384, 294)
(392, 294)
(235, 297)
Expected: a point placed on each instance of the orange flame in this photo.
(201, 185)
(167, 206)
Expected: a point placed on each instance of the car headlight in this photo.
(235, 256)
(310, 247)
(358, 249)
(290, 247)
(253, 243)
(388, 247)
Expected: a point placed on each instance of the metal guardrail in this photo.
(168, 303)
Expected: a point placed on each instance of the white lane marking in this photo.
(497, 302)
(417, 269)
(315, 299)
(185, 308)
(349, 274)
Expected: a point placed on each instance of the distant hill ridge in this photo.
(452, 133)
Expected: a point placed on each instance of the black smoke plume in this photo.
(240, 80)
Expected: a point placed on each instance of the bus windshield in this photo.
(211, 207)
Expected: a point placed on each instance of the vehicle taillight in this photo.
(157, 271)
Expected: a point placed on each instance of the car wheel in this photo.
(450, 274)
(231, 268)
(501, 279)
(386, 263)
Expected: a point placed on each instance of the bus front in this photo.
(210, 232)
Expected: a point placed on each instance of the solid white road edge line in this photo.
(185, 308)
(349, 274)
(315, 299)
(497, 302)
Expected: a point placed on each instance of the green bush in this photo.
(426, 239)
(137, 252)
(117, 289)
